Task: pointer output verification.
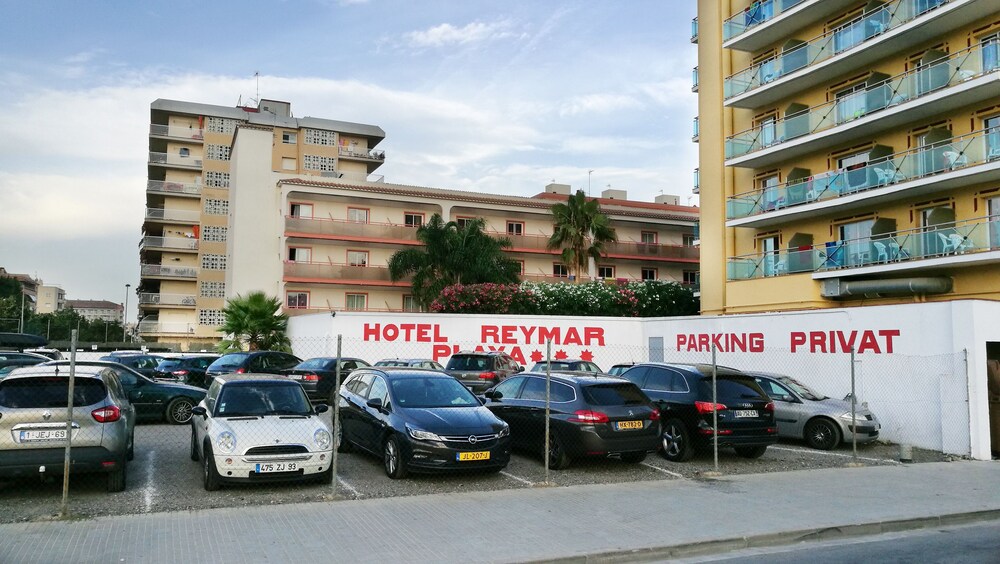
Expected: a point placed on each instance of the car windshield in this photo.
(262, 398)
(230, 360)
(801, 389)
(624, 393)
(49, 392)
(468, 362)
(431, 392)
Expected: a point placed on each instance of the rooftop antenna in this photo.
(256, 75)
(589, 172)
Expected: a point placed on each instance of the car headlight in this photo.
(504, 432)
(322, 439)
(422, 435)
(226, 441)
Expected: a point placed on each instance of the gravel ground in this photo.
(163, 478)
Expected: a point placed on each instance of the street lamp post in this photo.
(589, 172)
(125, 313)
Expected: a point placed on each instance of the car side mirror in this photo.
(493, 395)
(321, 408)
(199, 410)
(520, 369)
(375, 403)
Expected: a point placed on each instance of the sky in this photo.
(494, 97)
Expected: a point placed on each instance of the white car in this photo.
(260, 427)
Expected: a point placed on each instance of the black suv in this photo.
(683, 393)
(185, 369)
(269, 362)
(480, 371)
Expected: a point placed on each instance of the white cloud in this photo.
(598, 103)
(446, 34)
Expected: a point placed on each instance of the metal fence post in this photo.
(715, 412)
(335, 398)
(854, 421)
(548, 377)
(64, 508)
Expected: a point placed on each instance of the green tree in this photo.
(581, 231)
(453, 254)
(254, 322)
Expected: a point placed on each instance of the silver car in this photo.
(802, 413)
(33, 403)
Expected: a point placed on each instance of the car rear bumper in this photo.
(35, 461)
(703, 439)
(585, 441)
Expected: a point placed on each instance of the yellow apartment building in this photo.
(849, 152)
(261, 214)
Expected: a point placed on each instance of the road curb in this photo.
(777, 539)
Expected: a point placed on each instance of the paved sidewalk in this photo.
(641, 519)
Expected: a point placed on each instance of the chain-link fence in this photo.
(521, 416)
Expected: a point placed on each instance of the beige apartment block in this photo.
(50, 299)
(849, 152)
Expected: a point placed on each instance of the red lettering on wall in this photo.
(507, 334)
(593, 336)
(817, 341)
(798, 339)
(888, 334)
(489, 332)
(371, 332)
(756, 342)
(572, 337)
(546, 333)
(869, 342)
(390, 333)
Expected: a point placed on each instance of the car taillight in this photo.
(108, 414)
(180, 372)
(310, 377)
(488, 376)
(769, 406)
(655, 415)
(241, 370)
(588, 416)
(708, 407)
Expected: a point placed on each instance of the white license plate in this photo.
(39, 436)
(295, 376)
(745, 412)
(268, 467)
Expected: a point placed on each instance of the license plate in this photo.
(465, 456)
(745, 412)
(295, 376)
(269, 467)
(621, 425)
(39, 436)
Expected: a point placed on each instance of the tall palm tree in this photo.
(453, 254)
(254, 321)
(581, 231)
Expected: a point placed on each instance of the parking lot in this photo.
(163, 478)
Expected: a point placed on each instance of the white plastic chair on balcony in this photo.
(956, 159)
(954, 243)
(888, 175)
(881, 253)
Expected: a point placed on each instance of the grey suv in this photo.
(33, 403)
(480, 371)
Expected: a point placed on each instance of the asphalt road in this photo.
(163, 478)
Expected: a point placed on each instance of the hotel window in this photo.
(993, 208)
(297, 300)
(413, 219)
(356, 302)
(287, 163)
(217, 179)
(648, 274)
(216, 207)
(850, 103)
(990, 46)
(410, 304)
(768, 128)
(559, 270)
(217, 152)
(357, 258)
(606, 271)
(299, 254)
(856, 171)
(213, 289)
(648, 237)
(515, 228)
(301, 210)
(992, 127)
(357, 215)
(689, 277)
(185, 152)
(771, 263)
(463, 222)
(856, 239)
(770, 200)
(687, 239)
(288, 138)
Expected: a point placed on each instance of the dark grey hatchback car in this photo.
(683, 393)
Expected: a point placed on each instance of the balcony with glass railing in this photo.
(172, 188)
(373, 155)
(340, 228)
(153, 326)
(618, 249)
(694, 79)
(166, 271)
(167, 214)
(937, 167)
(765, 21)
(697, 181)
(856, 44)
(694, 30)
(156, 299)
(329, 273)
(959, 243)
(151, 242)
(174, 160)
(696, 134)
(966, 77)
(177, 132)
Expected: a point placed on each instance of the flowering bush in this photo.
(649, 298)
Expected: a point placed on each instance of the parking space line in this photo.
(664, 470)
(348, 487)
(150, 487)
(823, 452)
(513, 477)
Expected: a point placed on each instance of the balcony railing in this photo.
(694, 79)
(166, 214)
(176, 131)
(628, 248)
(914, 84)
(340, 227)
(969, 150)
(175, 327)
(168, 271)
(174, 159)
(179, 243)
(696, 133)
(160, 186)
(372, 155)
(936, 241)
(832, 43)
(694, 30)
(759, 12)
(168, 299)
(333, 273)
(697, 181)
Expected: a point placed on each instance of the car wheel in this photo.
(194, 446)
(343, 445)
(822, 434)
(633, 457)
(179, 411)
(130, 455)
(117, 477)
(558, 459)
(751, 452)
(210, 476)
(676, 442)
(395, 467)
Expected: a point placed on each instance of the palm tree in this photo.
(254, 321)
(453, 254)
(581, 231)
